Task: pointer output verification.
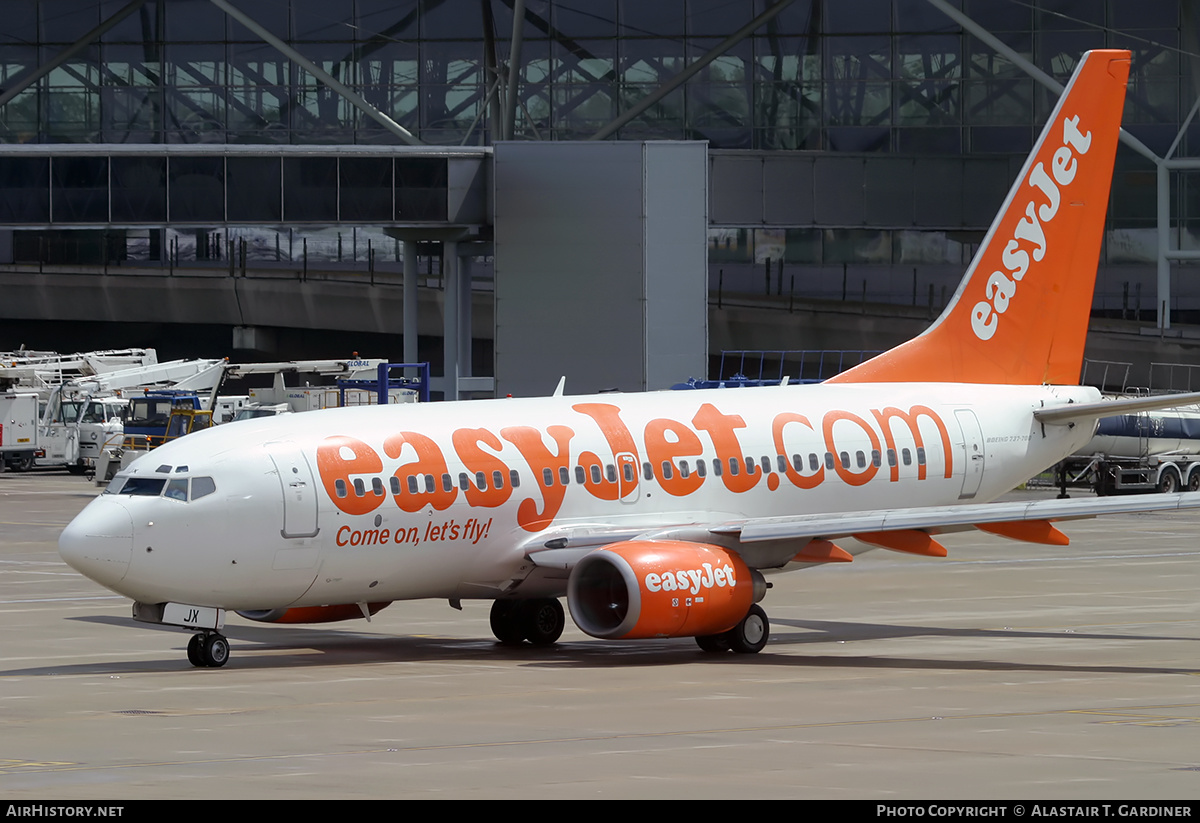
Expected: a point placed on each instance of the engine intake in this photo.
(661, 588)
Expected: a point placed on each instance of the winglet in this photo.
(1021, 311)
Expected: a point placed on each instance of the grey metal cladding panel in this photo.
(565, 190)
(569, 280)
(838, 197)
(467, 190)
(736, 187)
(788, 189)
(987, 181)
(939, 192)
(888, 190)
(676, 307)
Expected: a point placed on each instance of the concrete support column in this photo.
(464, 315)
(1164, 234)
(410, 301)
(450, 320)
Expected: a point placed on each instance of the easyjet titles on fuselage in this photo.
(670, 451)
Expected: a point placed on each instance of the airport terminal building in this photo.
(519, 189)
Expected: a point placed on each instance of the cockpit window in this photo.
(174, 488)
(177, 489)
(202, 487)
(143, 486)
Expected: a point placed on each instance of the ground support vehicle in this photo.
(19, 441)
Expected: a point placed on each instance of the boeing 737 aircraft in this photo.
(655, 514)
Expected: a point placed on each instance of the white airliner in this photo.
(655, 514)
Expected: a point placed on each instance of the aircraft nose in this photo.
(98, 543)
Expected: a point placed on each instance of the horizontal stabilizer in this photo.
(1084, 412)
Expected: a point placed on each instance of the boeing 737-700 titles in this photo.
(655, 514)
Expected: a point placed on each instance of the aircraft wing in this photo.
(950, 518)
(774, 541)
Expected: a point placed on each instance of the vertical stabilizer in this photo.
(1020, 314)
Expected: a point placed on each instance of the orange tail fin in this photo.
(1020, 314)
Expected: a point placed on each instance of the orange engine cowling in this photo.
(661, 588)
(314, 614)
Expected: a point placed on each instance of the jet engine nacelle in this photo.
(661, 588)
(313, 614)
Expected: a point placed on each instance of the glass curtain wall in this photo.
(869, 76)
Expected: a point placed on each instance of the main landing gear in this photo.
(540, 621)
(208, 650)
(748, 637)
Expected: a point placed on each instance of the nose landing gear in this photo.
(208, 650)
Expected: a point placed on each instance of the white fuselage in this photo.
(446, 500)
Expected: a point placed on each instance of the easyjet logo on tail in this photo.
(1001, 285)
